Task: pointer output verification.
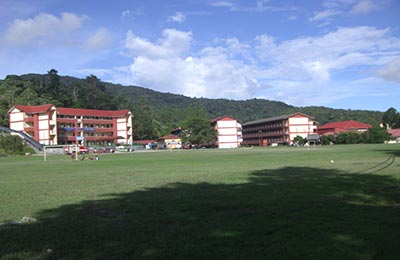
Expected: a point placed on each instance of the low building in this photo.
(343, 126)
(229, 132)
(395, 135)
(278, 130)
(170, 141)
(51, 126)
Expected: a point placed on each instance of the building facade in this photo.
(395, 135)
(278, 130)
(55, 126)
(170, 141)
(229, 132)
(343, 126)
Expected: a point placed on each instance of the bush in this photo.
(11, 144)
(328, 139)
(376, 135)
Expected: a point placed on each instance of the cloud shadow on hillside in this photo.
(287, 213)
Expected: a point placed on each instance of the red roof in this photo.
(92, 112)
(171, 136)
(347, 125)
(34, 109)
(394, 132)
(143, 142)
(72, 111)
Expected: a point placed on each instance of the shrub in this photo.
(11, 144)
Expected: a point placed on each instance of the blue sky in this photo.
(334, 53)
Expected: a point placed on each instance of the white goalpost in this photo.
(58, 149)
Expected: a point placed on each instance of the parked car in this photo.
(106, 150)
(72, 148)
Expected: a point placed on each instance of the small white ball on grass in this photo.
(332, 161)
(49, 251)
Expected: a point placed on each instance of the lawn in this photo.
(333, 202)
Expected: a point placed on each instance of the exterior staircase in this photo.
(35, 145)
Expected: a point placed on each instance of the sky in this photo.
(334, 53)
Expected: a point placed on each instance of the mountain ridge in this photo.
(169, 105)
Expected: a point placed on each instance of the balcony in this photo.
(66, 129)
(66, 120)
(99, 138)
(103, 130)
(97, 121)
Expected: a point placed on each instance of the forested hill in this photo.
(166, 108)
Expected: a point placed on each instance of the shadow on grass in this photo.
(288, 213)
(394, 152)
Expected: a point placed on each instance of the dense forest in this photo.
(160, 111)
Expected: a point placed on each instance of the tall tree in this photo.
(93, 95)
(53, 87)
(197, 127)
(375, 135)
(391, 118)
(144, 123)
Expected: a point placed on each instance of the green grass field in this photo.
(271, 203)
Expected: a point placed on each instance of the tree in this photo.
(145, 126)
(327, 139)
(11, 144)
(376, 135)
(349, 138)
(391, 118)
(197, 127)
(299, 140)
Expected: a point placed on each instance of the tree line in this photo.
(155, 113)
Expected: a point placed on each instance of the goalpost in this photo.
(58, 149)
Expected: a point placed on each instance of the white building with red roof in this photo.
(229, 132)
(278, 130)
(395, 134)
(343, 126)
(170, 141)
(50, 125)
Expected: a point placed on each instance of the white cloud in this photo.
(177, 17)
(341, 49)
(391, 71)
(131, 14)
(210, 73)
(260, 6)
(173, 43)
(337, 8)
(42, 29)
(364, 7)
(223, 4)
(229, 68)
(323, 15)
(101, 39)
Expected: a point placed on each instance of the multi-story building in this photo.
(278, 130)
(50, 125)
(229, 132)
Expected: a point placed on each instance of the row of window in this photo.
(87, 126)
(85, 117)
(269, 133)
(87, 134)
(266, 126)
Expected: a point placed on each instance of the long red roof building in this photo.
(50, 125)
(343, 126)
